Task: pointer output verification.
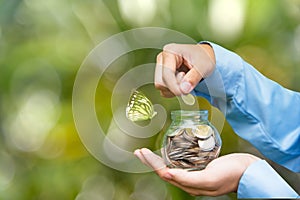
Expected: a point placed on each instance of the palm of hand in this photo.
(221, 176)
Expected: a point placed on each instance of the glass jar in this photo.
(191, 141)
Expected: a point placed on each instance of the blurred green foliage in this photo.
(42, 45)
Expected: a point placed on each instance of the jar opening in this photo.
(196, 114)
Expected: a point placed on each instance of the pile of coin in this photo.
(191, 148)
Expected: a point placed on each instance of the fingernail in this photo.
(168, 176)
(136, 152)
(185, 87)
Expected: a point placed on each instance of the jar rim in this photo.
(189, 112)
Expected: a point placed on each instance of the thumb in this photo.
(199, 59)
(190, 81)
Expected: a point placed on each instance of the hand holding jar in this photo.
(220, 176)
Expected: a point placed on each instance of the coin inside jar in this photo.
(203, 131)
(176, 132)
(191, 148)
(207, 145)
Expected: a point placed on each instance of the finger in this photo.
(157, 163)
(167, 94)
(139, 155)
(192, 76)
(153, 160)
(179, 76)
(198, 57)
(158, 80)
(190, 81)
(170, 63)
(162, 172)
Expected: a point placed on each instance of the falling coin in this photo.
(188, 99)
(203, 131)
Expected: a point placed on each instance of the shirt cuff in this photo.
(221, 85)
(260, 180)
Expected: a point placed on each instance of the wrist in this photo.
(209, 50)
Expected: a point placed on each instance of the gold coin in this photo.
(203, 131)
(188, 99)
(189, 132)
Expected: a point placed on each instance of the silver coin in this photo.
(207, 145)
(177, 132)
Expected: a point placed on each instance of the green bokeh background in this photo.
(42, 45)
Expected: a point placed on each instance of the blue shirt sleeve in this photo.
(259, 110)
(260, 180)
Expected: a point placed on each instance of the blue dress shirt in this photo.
(262, 112)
